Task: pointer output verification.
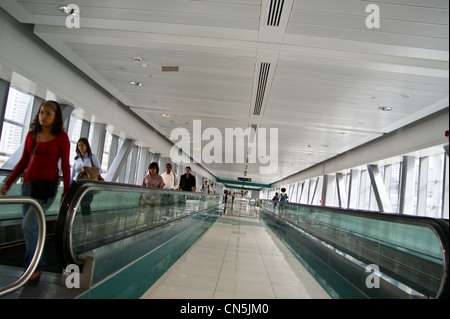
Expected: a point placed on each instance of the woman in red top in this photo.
(45, 145)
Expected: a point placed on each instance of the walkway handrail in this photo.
(40, 243)
(66, 244)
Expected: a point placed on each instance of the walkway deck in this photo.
(238, 257)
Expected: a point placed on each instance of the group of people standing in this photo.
(168, 179)
(282, 197)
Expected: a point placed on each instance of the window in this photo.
(74, 136)
(435, 186)
(393, 190)
(106, 151)
(16, 122)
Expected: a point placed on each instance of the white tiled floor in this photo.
(238, 257)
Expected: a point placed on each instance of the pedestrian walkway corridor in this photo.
(238, 257)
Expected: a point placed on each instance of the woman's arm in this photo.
(22, 164)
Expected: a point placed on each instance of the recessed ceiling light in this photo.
(385, 108)
(343, 134)
(135, 83)
(165, 115)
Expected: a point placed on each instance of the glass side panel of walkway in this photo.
(238, 257)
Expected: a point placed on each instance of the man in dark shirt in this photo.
(187, 181)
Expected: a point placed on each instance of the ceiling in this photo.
(314, 72)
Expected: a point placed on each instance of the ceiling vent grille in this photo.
(262, 82)
(276, 8)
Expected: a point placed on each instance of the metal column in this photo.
(341, 190)
(353, 193)
(379, 189)
(98, 140)
(423, 186)
(120, 161)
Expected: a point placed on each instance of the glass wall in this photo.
(429, 190)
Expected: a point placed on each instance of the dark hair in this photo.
(85, 141)
(58, 125)
(154, 165)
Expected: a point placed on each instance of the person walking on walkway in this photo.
(45, 145)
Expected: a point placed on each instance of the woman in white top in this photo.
(85, 158)
(170, 179)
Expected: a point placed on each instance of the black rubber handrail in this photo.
(64, 224)
(40, 242)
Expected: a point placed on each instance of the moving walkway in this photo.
(121, 238)
(104, 230)
(359, 254)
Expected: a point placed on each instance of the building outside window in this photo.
(16, 122)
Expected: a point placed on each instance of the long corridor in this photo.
(238, 257)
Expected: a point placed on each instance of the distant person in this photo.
(85, 158)
(187, 181)
(275, 198)
(45, 145)
(225, 196)
(233, 197)
(205, 187)
(282, 194)
(169, 177)
(152, 179)
(150, 201)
